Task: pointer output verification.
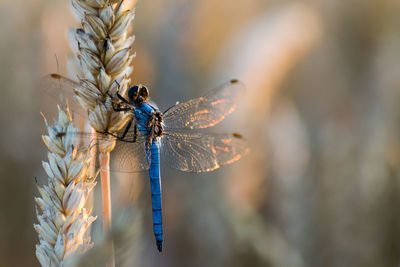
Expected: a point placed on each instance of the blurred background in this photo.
(321, 186)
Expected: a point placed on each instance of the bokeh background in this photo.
(321, 186)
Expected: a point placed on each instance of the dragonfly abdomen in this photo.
(155, 183)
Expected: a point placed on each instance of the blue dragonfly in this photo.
(172, 135)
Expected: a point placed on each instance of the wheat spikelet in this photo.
(103, 49)
(63, 221)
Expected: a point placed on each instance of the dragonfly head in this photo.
(138, 93)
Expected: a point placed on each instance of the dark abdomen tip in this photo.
(159, 245)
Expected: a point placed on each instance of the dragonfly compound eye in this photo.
(144, 92)
(133, 93)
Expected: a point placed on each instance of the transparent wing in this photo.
(129, 154)
(205, 111)
(201, 152)
(129, 157)
(56, 86)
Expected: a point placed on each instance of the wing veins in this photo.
(202, 152)
(206, 111)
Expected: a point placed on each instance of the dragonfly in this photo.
(173, 135)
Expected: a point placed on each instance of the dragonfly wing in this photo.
(97, 136)
(129, 157)
(56, 86)
(129, 154)
(205, 111)
(201, 152)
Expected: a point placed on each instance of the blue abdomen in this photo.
(155, 183)
(143, 113)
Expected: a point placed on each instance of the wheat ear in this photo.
(63, 221)
(104, 53)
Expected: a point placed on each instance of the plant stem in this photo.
(105, 189)
(106, 197)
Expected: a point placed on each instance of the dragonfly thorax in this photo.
(156, 124)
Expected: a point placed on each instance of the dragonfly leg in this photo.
(122, 98)
(119, 86)
(119, 109)
(128, 126)
(135, 133)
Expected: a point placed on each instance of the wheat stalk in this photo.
(103, 48)
(63, 221)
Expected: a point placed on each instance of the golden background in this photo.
(321, 185)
